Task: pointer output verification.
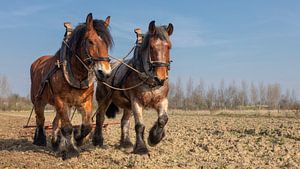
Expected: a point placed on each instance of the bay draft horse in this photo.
(152, 58)
(87, 50)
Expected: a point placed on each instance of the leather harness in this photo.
(65, 65)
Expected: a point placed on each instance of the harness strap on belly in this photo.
(46, 80)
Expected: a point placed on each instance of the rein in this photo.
(81, 61)
(143, 75)
(89, 58)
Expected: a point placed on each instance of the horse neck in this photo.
(78, 70)
(139, 59)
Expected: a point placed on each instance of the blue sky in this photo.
(256, 41)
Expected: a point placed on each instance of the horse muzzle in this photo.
(102, 74)
(159, 81)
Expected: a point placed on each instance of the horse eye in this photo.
(90, 42)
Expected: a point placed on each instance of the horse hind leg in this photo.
(125, 124)
(98, 139)
(140, 146)
(56, 134)
(40, 134)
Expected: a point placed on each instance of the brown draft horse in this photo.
(87, 50)
(152, 58)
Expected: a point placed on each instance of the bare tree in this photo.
(221, 95)
(178, 95)
(262, 95)
(199, 95)
(211, 97)
(243, 94)
(231, 96)
(4, 87)
(189, 102)
(284, 102)
(273, 95)
(253, 94)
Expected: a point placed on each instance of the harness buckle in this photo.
(58, 63)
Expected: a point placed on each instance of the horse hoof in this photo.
(97, 141)
(40, 143)
(40, 137)
(79, 142)
(141, 150)
(126, 144)
(55, 145)
(153, 140)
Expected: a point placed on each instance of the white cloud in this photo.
(192, 32)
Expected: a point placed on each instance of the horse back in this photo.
(39, 68)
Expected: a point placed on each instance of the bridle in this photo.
(154, 64)
(89, 58)
(92, 59)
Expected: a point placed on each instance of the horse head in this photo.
(158, 45)
(94, 45)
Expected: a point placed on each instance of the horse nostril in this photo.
(100, 74)
(159, 81)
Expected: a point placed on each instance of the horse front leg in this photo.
(140, 146)
(125, 124)
(66, 142)
(86, 126)
(157, 132)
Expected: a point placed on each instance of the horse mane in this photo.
(103, 32)
(80, 30)
(160, 32)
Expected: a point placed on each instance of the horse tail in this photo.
(31, 72)
(112, 111)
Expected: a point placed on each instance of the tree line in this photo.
(9, 100)
(195, 95)
(243, 95)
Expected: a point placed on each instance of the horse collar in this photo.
(68, 74)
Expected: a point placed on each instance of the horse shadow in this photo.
(24, 145)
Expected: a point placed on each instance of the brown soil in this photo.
(193, 140)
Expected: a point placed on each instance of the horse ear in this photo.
(151, 28)
(89, 21)
(170, 29)
(107, 21)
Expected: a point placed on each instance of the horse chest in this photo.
(71, 96)
(151, 98)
